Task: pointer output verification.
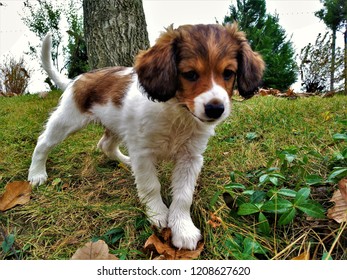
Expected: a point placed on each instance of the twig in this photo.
(335, 241)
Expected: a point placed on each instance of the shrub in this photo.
(14, 75)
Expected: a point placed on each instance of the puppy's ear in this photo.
(250, 64)
(250, 70)
(156, 68)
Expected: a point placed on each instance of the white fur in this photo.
(152, 132)
(215, 93)
(47, 64)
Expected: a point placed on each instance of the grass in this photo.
(89, 196)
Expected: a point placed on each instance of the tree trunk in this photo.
(332, 69)
(345, 37)
(115, 31)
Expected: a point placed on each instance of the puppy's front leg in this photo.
(184, 233)
(148, 189)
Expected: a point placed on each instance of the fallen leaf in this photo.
(343, 188)
(302, 257)
(94, 251)
(16, 193)
(215, 221)
(339, 211)
(162, 248)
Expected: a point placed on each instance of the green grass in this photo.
(89, 196)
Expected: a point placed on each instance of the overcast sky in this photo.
(296, 17)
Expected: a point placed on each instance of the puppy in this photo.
(165, 107)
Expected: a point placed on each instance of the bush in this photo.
(14, 76)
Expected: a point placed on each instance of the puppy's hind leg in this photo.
(65, 120)
(109, 144)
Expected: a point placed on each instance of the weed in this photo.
(268, 198)
(14, 75)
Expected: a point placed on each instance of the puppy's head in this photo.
(199, 64)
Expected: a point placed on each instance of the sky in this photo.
(296, 17)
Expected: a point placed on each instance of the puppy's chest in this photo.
(169, 140)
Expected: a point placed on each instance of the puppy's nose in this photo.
(214, 109)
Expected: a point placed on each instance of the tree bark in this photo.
(115, 31)
(345, 39)
(332, 69)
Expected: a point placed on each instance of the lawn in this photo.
(268, 146)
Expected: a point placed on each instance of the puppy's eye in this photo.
(227, 74)
(190, 76)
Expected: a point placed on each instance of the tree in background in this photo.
(315, 64)
(115, 30)
(334, 15)
(266, 36)
(76, 48)
(46, 16)
(43, 17)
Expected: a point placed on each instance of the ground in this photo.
(90, 197)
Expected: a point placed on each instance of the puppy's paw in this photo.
(159, 217)
(185, 235)
(37, 179)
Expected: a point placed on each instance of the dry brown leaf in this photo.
(302, 257)
(94, 251)
(16, 193)
(339, 211)
(215, 221)
(343, 188)
(162, 248)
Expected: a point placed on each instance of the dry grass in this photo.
(88, 195)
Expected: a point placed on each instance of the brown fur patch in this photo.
(101, 85)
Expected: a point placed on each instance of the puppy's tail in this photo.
(46, 58)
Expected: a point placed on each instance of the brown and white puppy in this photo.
(166, 107)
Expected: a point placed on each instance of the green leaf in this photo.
(264, 225)
(235, 186)
(302, 195)
(326, 256)
(278, 205)
(111, 236)
(287, 217)
(290, 157)
(251, 136)
(248, 209)
(258, 196)
(312, 209)
(278, 175)
(234, 245)
(248, 192)
(287, 192)
(263, 179)
(340, 136)
(313, 180)
(8, 243)
(289, 154)
(344, 122)
(337, 174)
(344, 153)
(274, 180)
(251, 247)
